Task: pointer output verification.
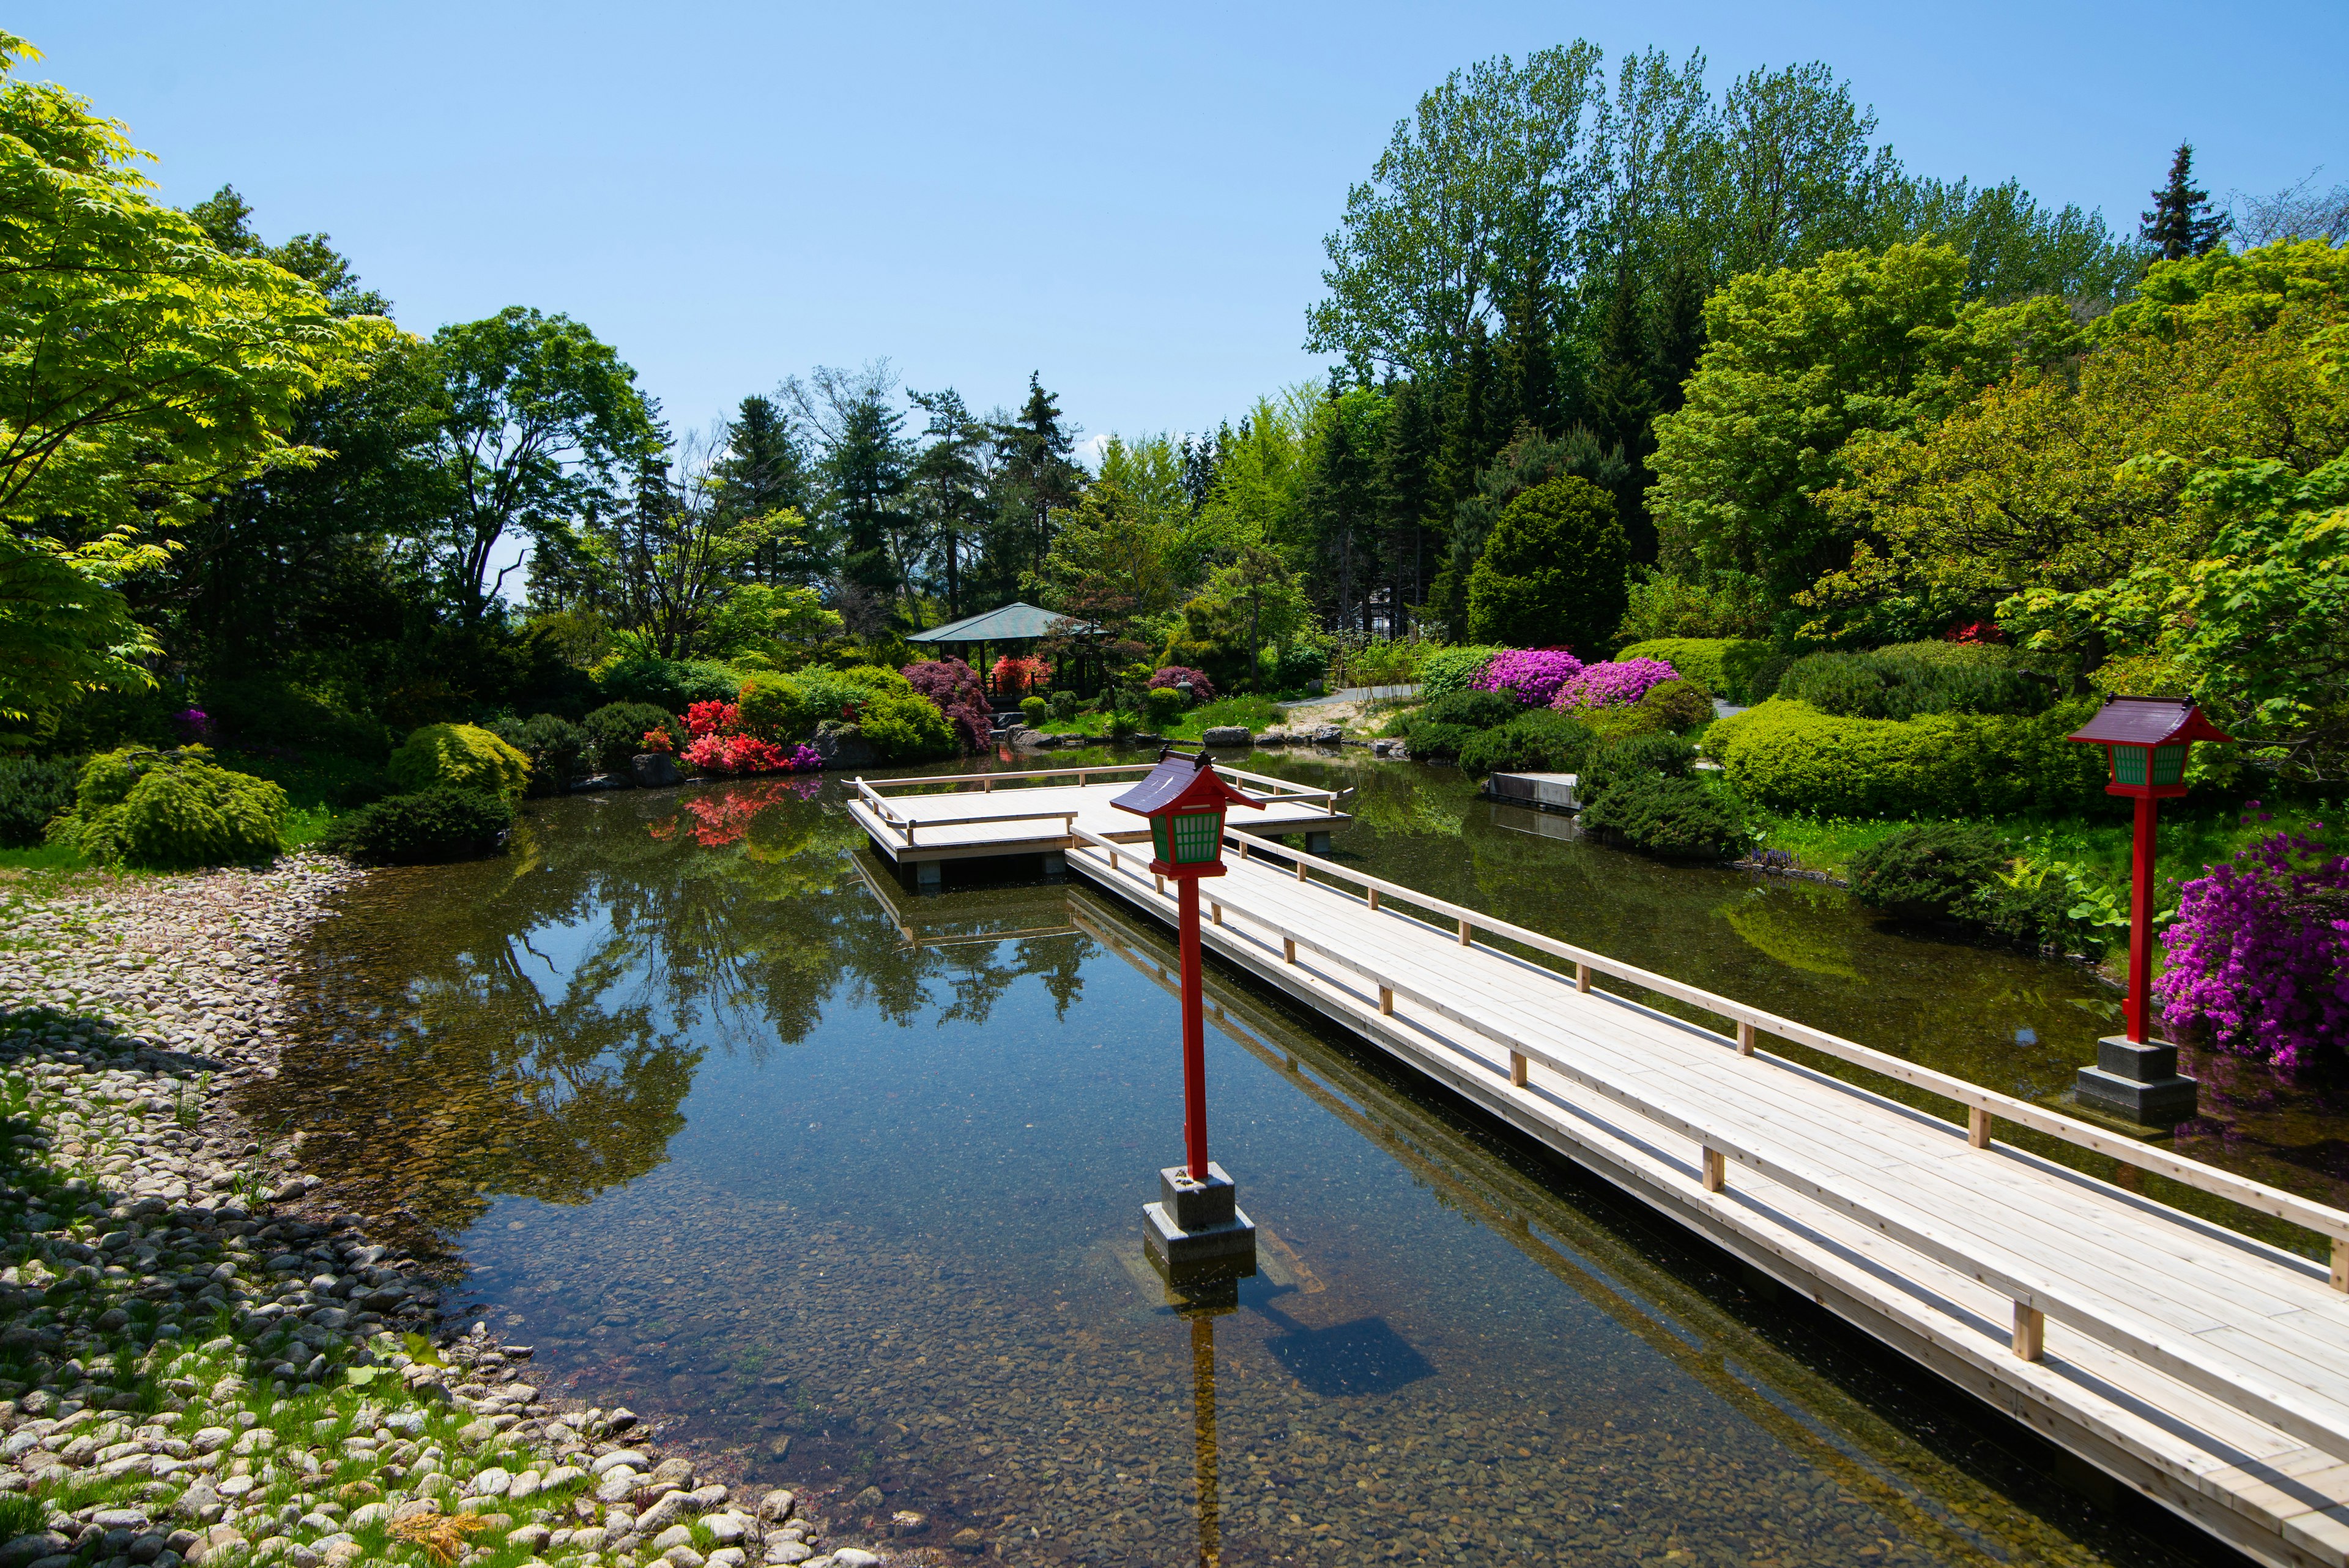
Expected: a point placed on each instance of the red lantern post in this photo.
(2146, 741)
(1197, 1219)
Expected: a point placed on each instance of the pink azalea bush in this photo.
(1615, 684)
(2260, 951)
(1531, 675)
(716, 754)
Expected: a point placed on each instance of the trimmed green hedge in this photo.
(1447, 670)
(1788, 756)
(1723, 666)
(422, 828)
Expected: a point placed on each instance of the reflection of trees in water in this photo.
(531, 1025)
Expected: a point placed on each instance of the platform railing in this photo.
(1283, 789)
(1984, 1106)
(2035, 1301)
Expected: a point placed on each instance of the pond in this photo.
(844, 1184)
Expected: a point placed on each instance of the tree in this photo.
(530, 416)
(1037, 479)
(1404, 493)
(1552, 572)
(141, 372)
(1340, 501)
(763, 470)
(312, 257)
(1797, 361)
(866, 467)
(2181, 224)
(2298, 212)
(948, 485)
(668, 554)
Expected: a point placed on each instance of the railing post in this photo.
(1215, 914)
(1288, 950)
(1159, 883)
(1463, 932)
(1716, 1170)
(1517, 1068)
(1745, 1039)
(1374, 898)
(1386, 1000)
(1978, 1134)
(1582, 977)
(2340, 1264)
(1301, 868)
(2030, 1332)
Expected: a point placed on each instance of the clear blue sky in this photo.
(1129, 200)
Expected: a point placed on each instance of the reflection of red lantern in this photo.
(2147, 742)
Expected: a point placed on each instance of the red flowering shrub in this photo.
(659, 740)
(712, 719)
(954, 687)
(1014, 676)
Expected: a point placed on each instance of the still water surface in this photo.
(845, 1183)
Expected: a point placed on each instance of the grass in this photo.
(44, 857)
(1253, 713)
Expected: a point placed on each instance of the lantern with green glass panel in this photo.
(1185, 800)
(2146, 742)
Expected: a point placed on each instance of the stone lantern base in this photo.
(2139, 1080)
(1198, 1227)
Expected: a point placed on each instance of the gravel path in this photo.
(200, 1365)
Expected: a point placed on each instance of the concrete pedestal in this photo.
(1317, 844)
(2139, 1081)
(1196, 1228)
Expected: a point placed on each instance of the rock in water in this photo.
(654, 770)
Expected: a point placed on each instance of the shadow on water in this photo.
(844, 1184)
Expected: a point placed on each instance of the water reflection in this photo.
(848, 1182)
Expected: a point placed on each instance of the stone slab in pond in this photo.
(654, 770)
(1225, 735)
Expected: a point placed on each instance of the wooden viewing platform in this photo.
(1037, 812)
(2207, 1369)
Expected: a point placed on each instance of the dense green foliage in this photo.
(615, 732)
(1725, 667)
(1537, 742)
(904, 728)
(461, 756)
(168, 811)
(1788, 756)
(1671, 818)
(32, 791)
(1927, 872)
(421, 827)
(1678, 704)
(1552, 571)
(557, 749)
(1443, 670)
(1902, 682)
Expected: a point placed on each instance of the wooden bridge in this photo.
(2205, 1368)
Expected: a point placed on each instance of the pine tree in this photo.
(1339, 500)
(866, 468)
(765, 470)
(2181, 224)
(948, 485)
(1472, 433)
(1037, 478)
(1528, 361)
(1405, 488)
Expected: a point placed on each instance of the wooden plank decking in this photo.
(2207, 1369)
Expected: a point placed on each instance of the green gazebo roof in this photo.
(1012, 623)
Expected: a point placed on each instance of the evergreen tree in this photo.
(1472, 431)
(948, 485)
(2181, 224)
(1528, 362)
(763, 472)
(1405, 493)
(1036, 478)
(866, 472)
(1553, 571)
(1340, 500)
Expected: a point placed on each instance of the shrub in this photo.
(1476, 710)
(1763, 684)
(669, 683)
(1014, 676)
(1538, 742)
(1723, 666)
(1035, 710)
(557, 750)
(1443, 670)
(1932, 871)
(1613, 685)
(1788, 756)
(32, 791)
(1166, 705)
(462, 756)
(1064, 706)
(1612, 725)
(1616, 759)
(1678, 704)
(441, 822)
(1672, 818)
(169, 811)
(2260, 951)
(954, 687)
(1658, 608)
(1440, 742)
(1530, 675)
(1177, 676)
(1552, 570)
(1903, 682)
(615, 732)
(907, 727)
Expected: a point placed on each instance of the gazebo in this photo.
(1019, 625)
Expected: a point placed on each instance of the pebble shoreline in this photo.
(200, 1366)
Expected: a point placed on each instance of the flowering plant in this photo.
(1531, 675)
(195, 725)
(1614, 684)
(1013, 677)
(2260, 951)
(716, 754)
(1175, 677)
(659, 740)
(954, 687)
(1973, 631)
(711, 718)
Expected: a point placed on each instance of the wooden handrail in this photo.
(1288, 788)
(2256, 1196)
(2153, 1344)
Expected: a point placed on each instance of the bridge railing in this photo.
(2035, 1300)
(1282, 789)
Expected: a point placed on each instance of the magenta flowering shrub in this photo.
(2260, 951)
(195, 726)
(1615, 684)
(1531, 675)
(954, 687)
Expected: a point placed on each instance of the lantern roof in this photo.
(1182, 779)
(2147, 721)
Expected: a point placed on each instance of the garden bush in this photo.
(170, 810)
(1434, 741)
(33, 790)
(1723, 666)
(1903, 682)
(1035, 710)
(1165, 706)
(2259, 954)
(1531, 675)
(954, 688)
(1552, 570)
(1618, 683)
(1610, 761)
(1611, 724)
(1671, 818)
(1443, 670)
(422, 827)
(1933, 871)
(1659, 607)
(1763, 684)
(1785, 756)
(1065, 705)
(1678, 704)
(557, 749)
(615, 732)
(464, 756)
(1476, 710)
(907, 727)
(669, 683)
(1540, 742)
(1175, 677)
